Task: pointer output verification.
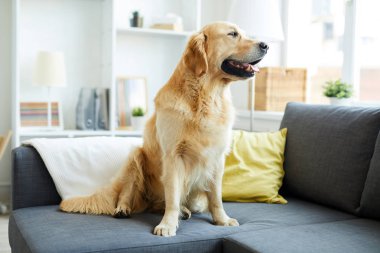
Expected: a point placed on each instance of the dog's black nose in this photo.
(263, 46)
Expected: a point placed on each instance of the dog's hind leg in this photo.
(185, 213)
(131, 186)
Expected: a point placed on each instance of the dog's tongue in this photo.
(255, 68)
(245, 66)
(248, 66)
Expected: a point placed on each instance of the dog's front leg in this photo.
(172, 180)
(215, 199)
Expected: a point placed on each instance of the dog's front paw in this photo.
(166, 230)
(227, 222)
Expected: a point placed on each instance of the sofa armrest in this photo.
(32, 184)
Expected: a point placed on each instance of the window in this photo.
(369, 49)
(336, 39)
(315, 31)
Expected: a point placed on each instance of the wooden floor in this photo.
(4, 244)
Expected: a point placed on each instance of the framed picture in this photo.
(132, 92)
(34, 115)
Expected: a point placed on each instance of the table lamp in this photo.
(50, 72)
(261, 20)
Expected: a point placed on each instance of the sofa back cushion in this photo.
(32, 184)
(328, 152)
(370, 202)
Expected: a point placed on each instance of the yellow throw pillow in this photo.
(254, 168)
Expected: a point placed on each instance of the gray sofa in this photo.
(332, 184)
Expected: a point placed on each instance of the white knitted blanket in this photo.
(80, 166)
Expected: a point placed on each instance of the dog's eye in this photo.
(233, 34)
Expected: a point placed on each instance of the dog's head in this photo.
(223, 50)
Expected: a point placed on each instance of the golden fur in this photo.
(179, 168)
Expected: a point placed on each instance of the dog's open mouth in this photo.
(240, 69)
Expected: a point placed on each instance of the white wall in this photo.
(5, 93)
(75, 28)
(130, 61)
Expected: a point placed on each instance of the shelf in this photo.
(127, 133)
(149, 31)
(78, 133)
(267, 115)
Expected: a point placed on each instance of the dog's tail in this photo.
(101, 202)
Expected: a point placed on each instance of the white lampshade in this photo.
(260, 19)
(49, 69)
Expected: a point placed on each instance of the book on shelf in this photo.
(92, 111)
(102, 109)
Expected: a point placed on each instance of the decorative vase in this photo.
(138, 122)
(341, 101)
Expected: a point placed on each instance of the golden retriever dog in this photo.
(179, 168)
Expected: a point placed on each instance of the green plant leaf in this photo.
(337, 89)
(138, 112)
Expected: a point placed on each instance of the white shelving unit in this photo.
(78, 133)
(149, 31)
(98, 46)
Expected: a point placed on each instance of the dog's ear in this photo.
(195, 54)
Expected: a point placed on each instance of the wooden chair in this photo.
(4, 140)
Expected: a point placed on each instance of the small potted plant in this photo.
(338, 92)
(138, 118)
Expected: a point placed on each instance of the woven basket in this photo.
(275, 87)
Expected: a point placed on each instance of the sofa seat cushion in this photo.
(356, 235)
(45, 229)
(328, 152)
(295, 212)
